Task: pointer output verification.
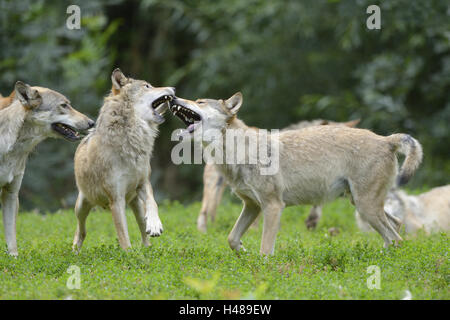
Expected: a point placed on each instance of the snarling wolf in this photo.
(112, 164)
(429, 211)
(33, 115)
(315, 165)
(214, 183)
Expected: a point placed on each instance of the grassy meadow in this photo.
(185, 264)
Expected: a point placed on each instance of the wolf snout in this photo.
(176, 101)
(84, 125)
(91, 123)
(171, 92)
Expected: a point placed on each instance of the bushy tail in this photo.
(411, 148)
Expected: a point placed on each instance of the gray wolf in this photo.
(315, 165)
(429, 211)
(214, 183)
(112, 163)
(35, 114)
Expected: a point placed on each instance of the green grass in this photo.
(184, 264)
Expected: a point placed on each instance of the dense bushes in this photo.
(293, 60)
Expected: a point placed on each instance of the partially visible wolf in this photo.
(6, 101)
(429, 211)
(33, 115)
(315, 165)
(214, 183)
(112, 164)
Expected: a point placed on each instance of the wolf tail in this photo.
(412, 150)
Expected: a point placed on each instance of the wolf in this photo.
(112, 163)
(429, 211)
(315, 165)
(34, 114)
(214, 183)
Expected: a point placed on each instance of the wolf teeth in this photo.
(67, 130)
(161, 100)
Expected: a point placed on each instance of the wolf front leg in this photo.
(272, 215)
(249, 213)
(120, 222)
(10, 204)
(154, 226)
(138, 207)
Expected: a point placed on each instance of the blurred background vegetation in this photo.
(293, 61)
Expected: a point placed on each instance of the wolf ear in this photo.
(28, 97)
(118, 79)
(352, 123)
(234, 103)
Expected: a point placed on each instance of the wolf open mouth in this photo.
(159, 105)
(67, 131)
(189, 117)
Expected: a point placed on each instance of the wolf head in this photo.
(149, 103)
(206, 114)
(51, 113)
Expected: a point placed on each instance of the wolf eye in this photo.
(147, 86)
(64, 105)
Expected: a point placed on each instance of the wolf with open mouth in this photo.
(31, 115)
(316, 165)
(112, 164)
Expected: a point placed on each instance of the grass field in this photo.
(184, 264)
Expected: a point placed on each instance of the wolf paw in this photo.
(311, 223)
(13, 254)
(154, 228)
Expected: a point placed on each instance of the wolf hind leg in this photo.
(82, 209)
(396, 222)
(213, 187)
(373, 212)
(218, 193)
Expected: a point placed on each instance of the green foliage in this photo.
(293, 60)
(185, 264)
